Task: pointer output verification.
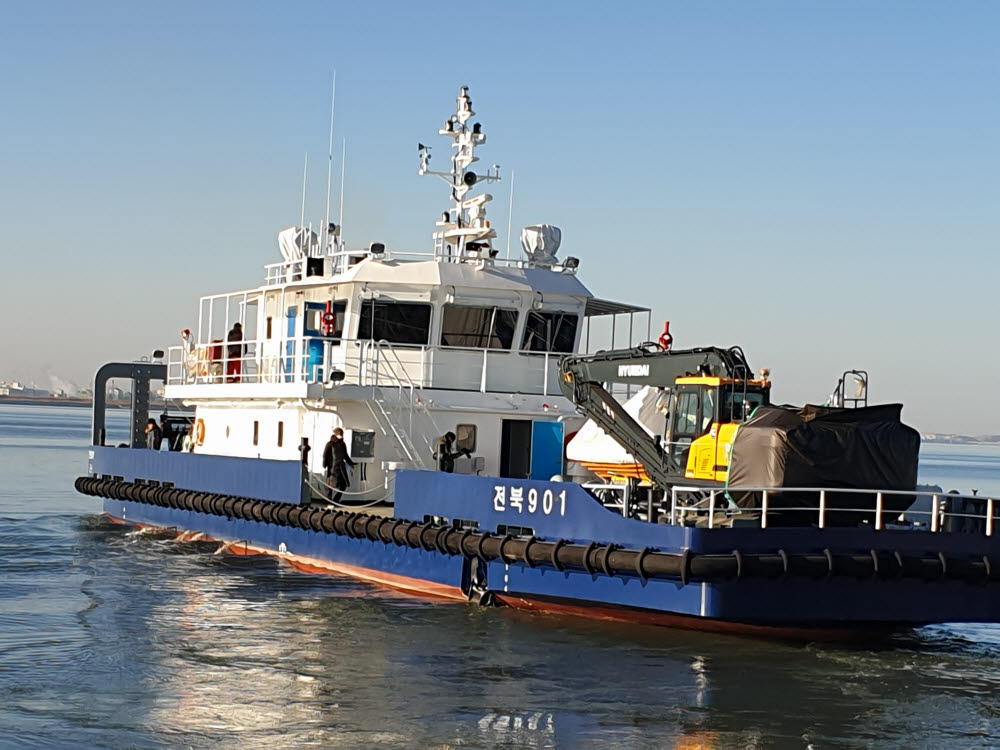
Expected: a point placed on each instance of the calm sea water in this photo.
(115, 639)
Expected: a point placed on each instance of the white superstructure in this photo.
(400, 345)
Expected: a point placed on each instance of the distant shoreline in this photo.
(57, 401)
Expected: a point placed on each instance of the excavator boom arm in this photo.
(584, 381)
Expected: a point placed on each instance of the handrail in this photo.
(313, 358)
(956, 506)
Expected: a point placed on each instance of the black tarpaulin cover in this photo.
(816, 446)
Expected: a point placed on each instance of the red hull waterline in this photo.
(572, 608)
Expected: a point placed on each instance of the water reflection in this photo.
(250, 649)
(110, 638)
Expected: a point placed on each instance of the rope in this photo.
(377, 501)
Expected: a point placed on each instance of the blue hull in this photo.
(552, 511)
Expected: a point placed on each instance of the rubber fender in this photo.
(560, 543)
(340, 519)
(408, 534)
(227, 506)
(397, 539)
(157, 495)
(587, 565)
(526, 552)
(441, 540)
(641, 572)
(311, 519)
(480, 554)
(208, 503)
(326, 521)
(378, 531)
(281, 514)
(185, 500)
(606, 562)
(267, 513)
(202, 503)
(165, 496)
(362, 532)
(295, 516)
(240, 509)
(254, 510)
(316, 520)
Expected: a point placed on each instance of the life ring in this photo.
(329, 319)
(666, 339)
(199, 431)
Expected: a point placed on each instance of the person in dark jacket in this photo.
(445, 453)
(234, 360)
(153, 435)
(335, 462)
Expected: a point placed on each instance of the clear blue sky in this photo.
(819, 183)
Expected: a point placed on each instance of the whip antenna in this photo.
(329, 164)
(510, 211)
(343, 158)
(302, 215)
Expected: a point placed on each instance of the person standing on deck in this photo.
(234, 351)
(188, 356)
(153, 435)
(335, 462)
(445, 456)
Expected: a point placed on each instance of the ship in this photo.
(446, 422)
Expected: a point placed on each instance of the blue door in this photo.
(546, 449)
(291, 313)
(314, 345)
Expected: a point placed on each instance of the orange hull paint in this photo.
(313, 565)
(687, 622)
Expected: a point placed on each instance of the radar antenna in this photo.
(465, 232)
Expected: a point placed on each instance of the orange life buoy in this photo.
(199, 431)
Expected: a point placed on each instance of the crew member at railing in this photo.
(189, 357)
(234, 360)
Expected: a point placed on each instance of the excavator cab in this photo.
(705, 413)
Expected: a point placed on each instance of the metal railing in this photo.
(313, 359)
(289, 272)
(946, 511)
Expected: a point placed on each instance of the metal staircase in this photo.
(398, 411)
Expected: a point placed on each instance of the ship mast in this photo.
(465, 232)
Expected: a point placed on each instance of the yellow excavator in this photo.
(711, 391)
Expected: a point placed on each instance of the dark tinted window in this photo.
(549, 332)
(478, 327)
(396, 322)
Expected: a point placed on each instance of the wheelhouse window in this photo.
(407, 323)
(478, 327)
(549, 332)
